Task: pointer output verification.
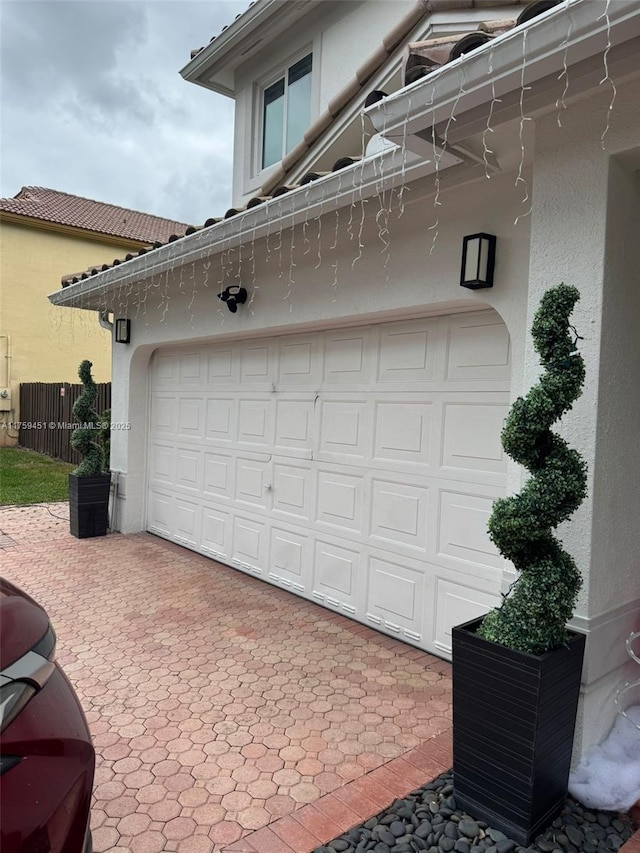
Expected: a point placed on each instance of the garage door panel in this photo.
(462, 531)
(191, 417)
(410, 351)
(299, 364)
(403, 433)
(338, 576)
(166, 369)
(294, 427)
(186, 524)
(192, 369)
(189, 469)
(250, 546)
(399, 514)
(340, 500)
(218, 476)
(253, 485)
(290, 554)
(471, 433)
(216, 532)
(164, 421)
(222, 414)
(396, 596)
(258, 366)
(344, 432)
(455, 603)
(478, 347)
(255, 422)
(354, 467)
(162, 468)
(293, 491)
(347, 358)
(160, 512)
(223, 367)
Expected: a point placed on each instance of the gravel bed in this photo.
(428, 819)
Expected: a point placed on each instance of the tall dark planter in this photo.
(513, 722)
(89, 505)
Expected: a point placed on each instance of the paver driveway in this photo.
(227, 715)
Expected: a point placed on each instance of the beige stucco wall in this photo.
(38, 342)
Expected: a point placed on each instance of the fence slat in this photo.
(42, 404)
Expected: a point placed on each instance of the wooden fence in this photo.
(46, 417)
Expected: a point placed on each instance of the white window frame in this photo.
(261, 88)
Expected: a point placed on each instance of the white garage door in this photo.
(354, 467)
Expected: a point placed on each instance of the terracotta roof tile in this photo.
(65, 209)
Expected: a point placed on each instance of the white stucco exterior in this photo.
(564, 202)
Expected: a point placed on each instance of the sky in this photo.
(92, 103)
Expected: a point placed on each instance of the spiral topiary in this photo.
(82, 438)
(534, 614)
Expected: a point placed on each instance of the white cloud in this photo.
(93, 103)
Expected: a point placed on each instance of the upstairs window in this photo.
(286, 111)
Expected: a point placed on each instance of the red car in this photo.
(47, 758)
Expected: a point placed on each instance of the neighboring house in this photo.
(338, 434)
(43, 234)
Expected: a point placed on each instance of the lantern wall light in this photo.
(123, 330)
(478, 261)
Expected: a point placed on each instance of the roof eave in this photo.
(533, 52)
(214, 65)
(337, 190)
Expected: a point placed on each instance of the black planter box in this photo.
(89, 505)
(513, 722)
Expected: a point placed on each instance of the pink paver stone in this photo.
(239, 726)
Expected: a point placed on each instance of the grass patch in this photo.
(27, 477)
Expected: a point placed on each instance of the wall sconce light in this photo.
(123, 330)
(233, 295)
(478, 261)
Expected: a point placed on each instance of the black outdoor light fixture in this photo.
(233, 295)
(123, 330)
(478, 261)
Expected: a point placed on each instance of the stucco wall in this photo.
(46, 344)
(584, 231)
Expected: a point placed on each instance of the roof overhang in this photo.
(351, 186)
(214, 67)
(517, 73)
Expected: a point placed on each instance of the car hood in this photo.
(23, 623)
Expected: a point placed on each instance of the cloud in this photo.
(93, 103)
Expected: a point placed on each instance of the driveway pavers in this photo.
(229, 716)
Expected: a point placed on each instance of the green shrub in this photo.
(88, 429)
(534, 614)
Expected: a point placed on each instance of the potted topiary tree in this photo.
(89, 484)
(516, 673)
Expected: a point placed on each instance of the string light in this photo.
(486, 151)
(607, 78)
(520, 179)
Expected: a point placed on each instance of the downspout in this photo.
(103, 319)
(7, 409)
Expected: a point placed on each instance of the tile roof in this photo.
(64, 209)
(421, 58)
